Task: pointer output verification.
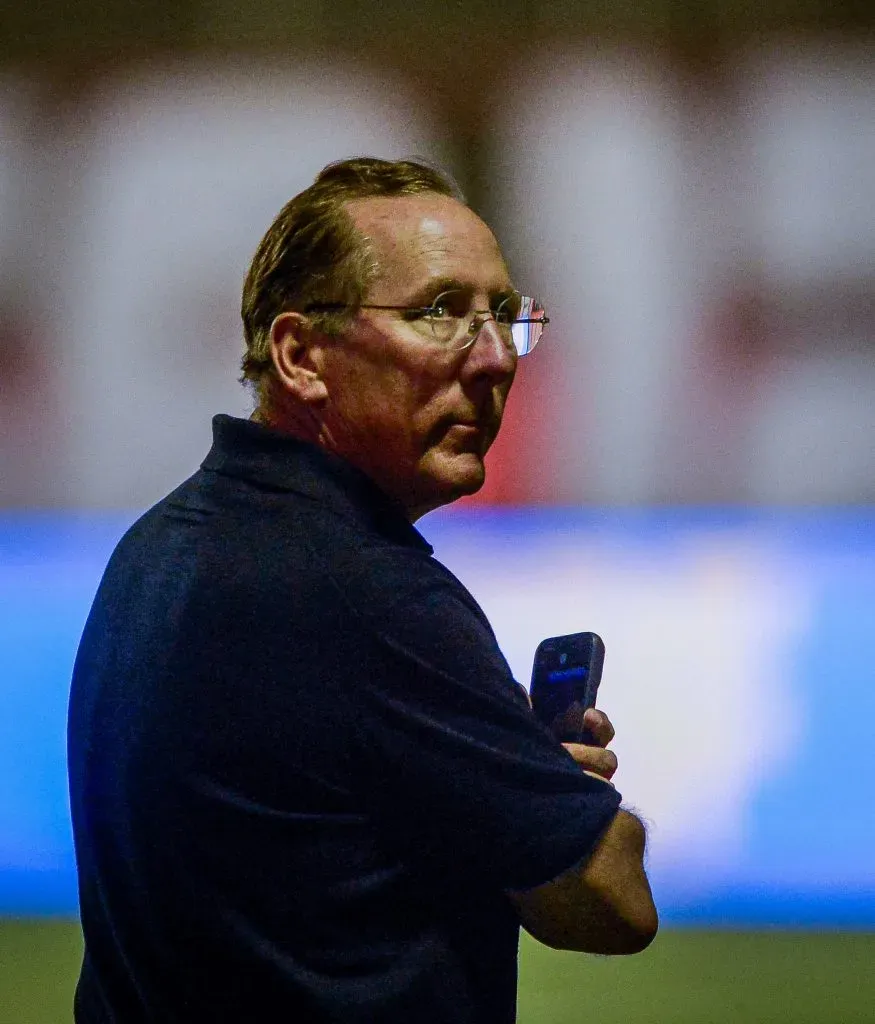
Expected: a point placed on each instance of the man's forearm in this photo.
(601, 906)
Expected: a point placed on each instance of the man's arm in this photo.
(601, 906)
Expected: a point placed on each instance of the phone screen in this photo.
(565, 680)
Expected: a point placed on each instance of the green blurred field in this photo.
(686, 976)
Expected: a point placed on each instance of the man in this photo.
(305, 786)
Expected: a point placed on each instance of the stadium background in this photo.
(688, 462)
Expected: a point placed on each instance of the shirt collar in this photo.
(269, 458)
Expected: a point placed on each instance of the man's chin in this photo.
(452, 475)
(466, 472)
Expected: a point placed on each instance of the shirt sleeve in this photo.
(453, 759)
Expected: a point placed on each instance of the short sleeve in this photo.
(454, 761)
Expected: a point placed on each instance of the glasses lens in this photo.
(519, 318)
(529, 326)
(445, 317)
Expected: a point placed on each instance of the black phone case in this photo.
(565, 678)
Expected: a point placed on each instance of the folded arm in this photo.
(604, 904)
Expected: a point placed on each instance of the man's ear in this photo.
(292, 343)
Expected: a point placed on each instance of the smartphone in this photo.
(565, 681)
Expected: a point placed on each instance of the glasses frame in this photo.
(474, 327)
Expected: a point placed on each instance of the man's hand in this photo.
(596, 761)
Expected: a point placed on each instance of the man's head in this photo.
(313, 252)
(372, 384)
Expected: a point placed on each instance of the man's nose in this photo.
(492, 350)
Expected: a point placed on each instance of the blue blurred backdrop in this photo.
(765, 819)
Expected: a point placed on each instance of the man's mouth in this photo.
(466, 432)
(470, 436)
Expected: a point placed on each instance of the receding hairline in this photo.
(408, 199)
(381, 231)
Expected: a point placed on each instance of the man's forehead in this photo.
(428, 235)
(408, 210)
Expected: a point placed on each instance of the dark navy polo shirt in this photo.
(302, 775)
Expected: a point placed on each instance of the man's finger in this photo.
(601, 778)
(595, 760)
(599, 725)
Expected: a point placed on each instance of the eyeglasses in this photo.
(450, 322)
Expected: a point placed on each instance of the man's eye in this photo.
(507, 311)
(440, 311)
(433, 312)
(448, 306)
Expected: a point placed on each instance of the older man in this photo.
(305, 785)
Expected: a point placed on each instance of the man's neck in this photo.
(290, 419)
(300, 422)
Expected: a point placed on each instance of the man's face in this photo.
(416, 416)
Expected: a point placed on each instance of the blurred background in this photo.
(688, 460)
